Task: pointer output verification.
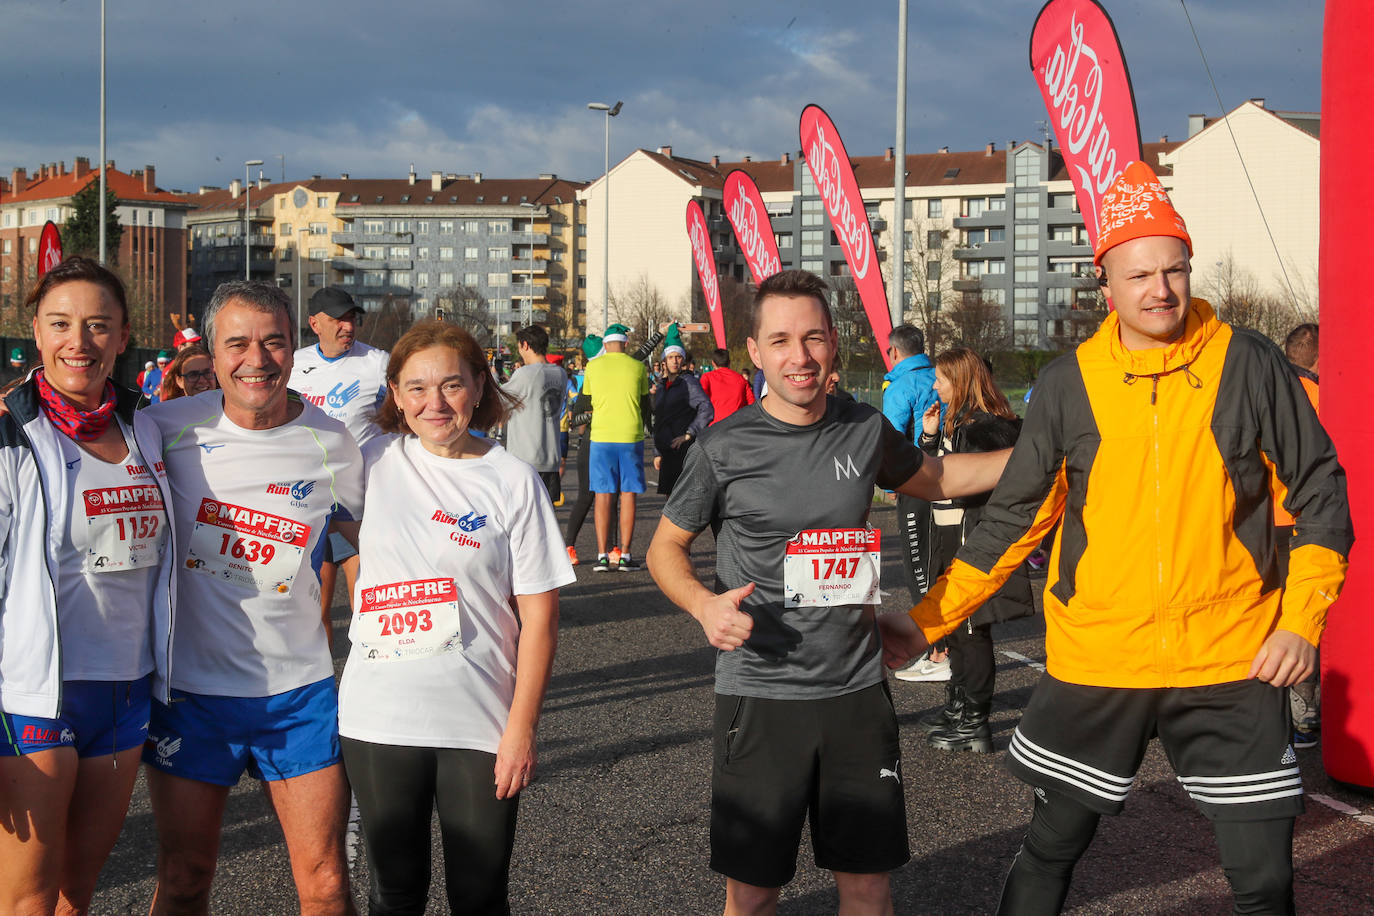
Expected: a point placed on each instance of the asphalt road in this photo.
(617, 819)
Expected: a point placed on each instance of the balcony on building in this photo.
(357, 236)
(981, 251)
(526, 238)
(988, 218)
(528, 265)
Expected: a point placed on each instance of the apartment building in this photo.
(151, 254)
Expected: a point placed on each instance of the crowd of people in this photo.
(168, 560)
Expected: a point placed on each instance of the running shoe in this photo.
(603, 563)
(558, 503)
(627, 563)
(923, 669)
(1302, 738)
(572, 555)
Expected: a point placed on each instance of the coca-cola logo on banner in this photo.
(839, 190)
(49, 248)
(744, 206)
(704, 259)
(1081, 72)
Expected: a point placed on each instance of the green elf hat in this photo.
(672, 342)
(616, 333)
(591, 346)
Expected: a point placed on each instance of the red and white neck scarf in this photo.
(71, 421)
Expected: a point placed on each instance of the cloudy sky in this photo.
(369, 88)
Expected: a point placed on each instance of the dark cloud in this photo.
(502, 87)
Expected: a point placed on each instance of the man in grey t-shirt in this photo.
(541, 386)
(803, 722)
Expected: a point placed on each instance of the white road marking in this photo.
(1342, 808)
(1018, 657)
(351, 836)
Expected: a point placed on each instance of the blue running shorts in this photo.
(616, 467)
(97, 718)
(215, 739)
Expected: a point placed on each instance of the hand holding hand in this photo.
(725, 625)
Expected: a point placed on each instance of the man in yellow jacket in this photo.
(1165, 613)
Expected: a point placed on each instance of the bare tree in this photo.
(465, 306)
(1241, 301)
(384, 326)
(858, 350)
(976, 323)
(932, 276)
(641, 305)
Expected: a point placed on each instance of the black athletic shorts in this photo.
(1228, 744)
(776, 762)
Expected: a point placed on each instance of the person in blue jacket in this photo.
(909, 392)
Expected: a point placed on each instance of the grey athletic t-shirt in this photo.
(532, 430)
(757, 481)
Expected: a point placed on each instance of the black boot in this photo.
(970, 733)
(948, 715)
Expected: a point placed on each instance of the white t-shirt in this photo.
(252, 510)
(450, 543)
(111, 547)
(349, 388)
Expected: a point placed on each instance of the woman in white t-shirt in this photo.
(85, 594)
(454, 629)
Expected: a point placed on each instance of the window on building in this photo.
(582, 256)
(374, 278)
(974, 206)
(935, 239)
(932, 271)
(422, 253)
(445, 278)
(933, 301)
(400, 225)
(1027, 270)
(813, 213)
(814, 266)
(1067, 201)
(784, 240)
(374, 226)
(446, 252)
(318, 254)
(808, 184)
(1027, 205)
(446, 227)
(285, 254)
(422, 279)
(498, 226)
(321, 201)
(1061, 233)
(470, 278)
(319, 229)
(471, 253)
(935, 208)
(1027, 237)
(581, 282)
(9, 273)
(996, 266)
(286, 229)
(1063, 265)
(284, 281)
(399, 252)
(995, 296)
(498, 279)
(973, 268)
(1059, 296)
(997, 203)
(1025, 301)
(400, 278)
(422, 227)
(975, 237)
(1025, 332)
(9, 220)
(33, 246)
(498, 254)
(997, 234)
(582, 230)
(813, 243)
(374, 252)
(1026, 168)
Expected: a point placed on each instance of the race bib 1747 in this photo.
(248, 547)
(408, 620)
(826, 567)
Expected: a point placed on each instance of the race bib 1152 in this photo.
(126, 527)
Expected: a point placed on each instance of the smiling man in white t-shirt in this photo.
(256, 475)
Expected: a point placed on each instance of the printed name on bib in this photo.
(125, 527)
(832, 566)
(408, 620)
(247, 546)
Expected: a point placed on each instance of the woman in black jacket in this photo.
(977, 419)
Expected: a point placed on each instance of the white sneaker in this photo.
(923, 669)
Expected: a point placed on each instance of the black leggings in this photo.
(1257, 857)
(397, 789)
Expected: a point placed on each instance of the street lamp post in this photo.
(248, 226)
(611, 112)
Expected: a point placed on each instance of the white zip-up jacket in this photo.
(33, 510)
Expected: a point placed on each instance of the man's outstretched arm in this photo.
(952, 476)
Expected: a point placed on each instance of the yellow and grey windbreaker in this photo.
(1165, 571)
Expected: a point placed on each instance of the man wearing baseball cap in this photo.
(346, 379)
(1165, 613)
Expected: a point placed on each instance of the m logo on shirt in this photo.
(847, 469)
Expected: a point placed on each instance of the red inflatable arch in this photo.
(1347, 319)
